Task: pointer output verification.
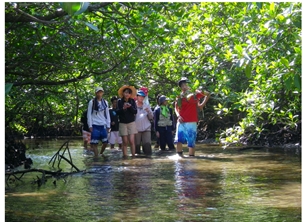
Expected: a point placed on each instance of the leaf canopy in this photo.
(57, 53)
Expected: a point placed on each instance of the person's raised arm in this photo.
(206, 98)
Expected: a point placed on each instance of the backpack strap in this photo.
(105, 105)
(93, 101)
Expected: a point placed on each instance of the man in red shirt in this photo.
(186, 110)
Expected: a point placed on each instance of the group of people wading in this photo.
(128, 121)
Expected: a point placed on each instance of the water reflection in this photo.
(189, 184)
(217, 185)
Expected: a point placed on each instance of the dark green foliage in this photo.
(247, 54)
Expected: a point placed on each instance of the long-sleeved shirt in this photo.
(114, 118)
(100, 117)
(143, 117)
(126, 115)
(84, 121)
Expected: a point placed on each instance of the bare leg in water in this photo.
(104, 145)
(95, 150)
(125, 141)
(124, 146)
(132, 144)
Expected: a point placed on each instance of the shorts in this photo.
(186, 132)
(114, 138)
(86, 136)
(126, 129)
(99, 133)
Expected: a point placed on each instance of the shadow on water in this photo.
(216, 185)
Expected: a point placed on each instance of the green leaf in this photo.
(238, 48)
(91, 26)
(290, 115)
(196, 84)
(288, 83)
(272, 7)
(298, 50)
(71, 7)
(297, 81)
(8, 87)
(298, 24)
(84, 6)
(259, 5)
(284, 61)
(248, 70)
(280, 17)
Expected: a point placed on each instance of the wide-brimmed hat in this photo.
(121, 90)
(182, 80)
(162, 99)
(99, 89)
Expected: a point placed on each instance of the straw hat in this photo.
(133, 94)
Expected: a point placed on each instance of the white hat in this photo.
(98, 89)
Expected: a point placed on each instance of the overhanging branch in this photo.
(80, 77)
(19, 15)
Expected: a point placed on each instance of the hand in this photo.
(157, 134)
(91, 129)
(126, 105)
(180, 119)
(112, 123)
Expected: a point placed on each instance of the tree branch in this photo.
(22, 16)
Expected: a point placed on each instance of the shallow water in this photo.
(217, 185)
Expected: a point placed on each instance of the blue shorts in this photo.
(186, 132)
(99, 133)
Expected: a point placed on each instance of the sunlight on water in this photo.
(216, 185)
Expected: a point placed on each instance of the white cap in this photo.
(98, 89)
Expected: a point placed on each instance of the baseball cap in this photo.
(141, 93)
(162, 99)
(98, 89)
